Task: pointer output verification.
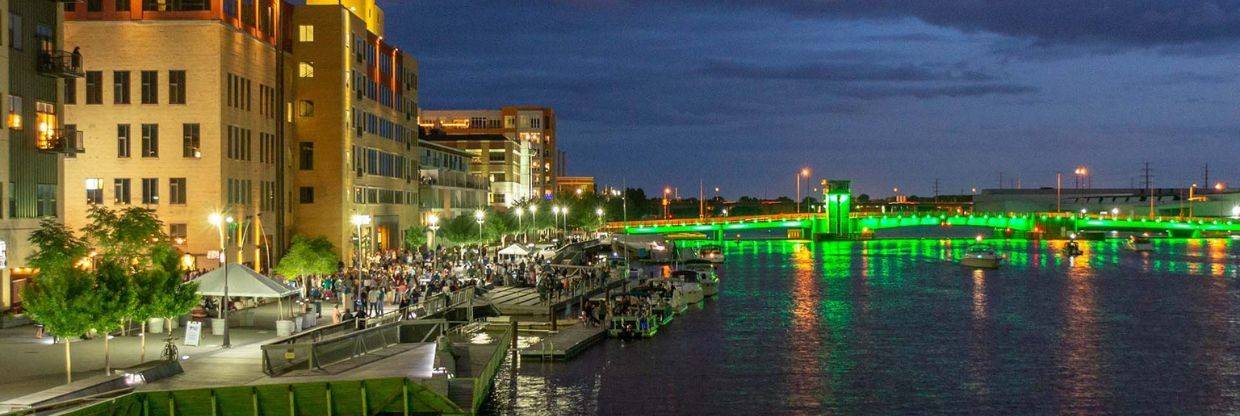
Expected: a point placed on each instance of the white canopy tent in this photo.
(243, 282)
(514, 250)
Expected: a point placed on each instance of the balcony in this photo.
(60, 64)
(66, 141)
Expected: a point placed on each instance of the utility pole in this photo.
(1205, 180)
(1058, 191)
(1149, 186)
(1000, 180)
(936, 189)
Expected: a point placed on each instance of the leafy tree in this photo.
(415, 237)
(308, 256)
(128, 236)
(62, 298)
(164, 295)
(117, 304)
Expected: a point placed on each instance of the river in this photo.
(894, 327)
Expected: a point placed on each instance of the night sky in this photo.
(888, 93)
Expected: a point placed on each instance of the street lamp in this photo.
(519, 212)
(564, 215)
(479, 216)
(358, 220)
(599, 213)
(432, 222)
(219, 221)
(1082, 176)
(804, 172)
(534, 215)
(555, 216)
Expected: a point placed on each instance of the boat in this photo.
(980, 256)
(706, 277)
(1139, 243)
(635, 315)
(686, 282)
(1072, 249)
(711, 253)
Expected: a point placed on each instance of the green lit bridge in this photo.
(864, 225)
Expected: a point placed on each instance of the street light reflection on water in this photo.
(896, 327)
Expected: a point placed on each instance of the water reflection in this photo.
(896, 327)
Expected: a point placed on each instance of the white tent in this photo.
(514, 250)
(242, 282)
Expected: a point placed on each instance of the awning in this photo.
(514, 250)
(242, 282)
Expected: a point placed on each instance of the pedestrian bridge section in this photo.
(822, 226)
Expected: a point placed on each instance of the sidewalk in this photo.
(31, 365)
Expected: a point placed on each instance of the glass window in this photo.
(71, 89)
(305, 194)
(45, 200)
(94, 5)
(305, 154)
(122, 5)
(15, 30)
(176, 191)
(120, 191)
(94, 87)
(150, 140)
(150, 87)
(14, 120)
(306, 32)
(150, 191)
(47, 124)
(192, 139)
(122, 140)
(120, 87)
(176, 87)
(178, 233)
(305, 70)
(94, 191)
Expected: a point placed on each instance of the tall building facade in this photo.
(182, 113)
(34, 141)
(500, 160)
(532, 126)
(448, 185)
(355, 112)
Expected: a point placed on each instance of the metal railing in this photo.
(60, 64)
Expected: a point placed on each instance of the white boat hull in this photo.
(980, 262)
(690, 293)
(709, 288)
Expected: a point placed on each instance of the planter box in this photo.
(155, 326)
(284, 328)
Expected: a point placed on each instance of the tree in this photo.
(165, 296)
(415, 237)
(128, 236)
(308, 256)
(62, 297)
(117, 304)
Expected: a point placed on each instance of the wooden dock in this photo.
(524, 301)
(566, 343)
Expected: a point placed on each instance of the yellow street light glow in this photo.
(479, 215)
(598, 211)
(215, 219)
(805, 172)
(432, 219)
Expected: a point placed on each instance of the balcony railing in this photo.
(67, 141)
(60, 64)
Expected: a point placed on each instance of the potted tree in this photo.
(308, 256)
(62, 297)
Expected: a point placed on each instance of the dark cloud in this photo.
(1194, 77)
(839, 72)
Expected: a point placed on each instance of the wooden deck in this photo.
(524, 301)
(565, 344)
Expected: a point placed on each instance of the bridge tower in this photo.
(837, 197)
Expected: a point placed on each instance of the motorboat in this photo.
(1072, 249)
(980, 256)
(634, 315)
(711, 253)
(705, 277)
(1139, 243)
(686, 282)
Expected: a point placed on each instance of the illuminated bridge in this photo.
(820, 226)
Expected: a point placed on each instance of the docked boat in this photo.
(1139, 243)
(686, 283)
(705, 277)
(711, 253)
(635, 315)
(980, 256)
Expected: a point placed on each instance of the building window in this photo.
(306, 32)
(122, 5)
(305, 70)
(176, 191)
(150, 87)
(307, 108)
(94, 5)
(46, 122)
(178, 233)
(14, 119)
(176, 87)
(122, 140)
(150, 140)
(150, 191)
(120, 87)
(120, 191)
(305, 194)
(94, 87)
(191, 141)
(94, 191)
(15, 30)
(305, 155)
(70, 89)
(45, 200)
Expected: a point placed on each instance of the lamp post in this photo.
(220, 222)
(1082, 176)
(1191, 198)
(564, 215)
(555, 216)
(598, 212)
(533, 216)
(358, 220)
(432, 222)
(803, 172)
(519, 212)
(479, 217)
